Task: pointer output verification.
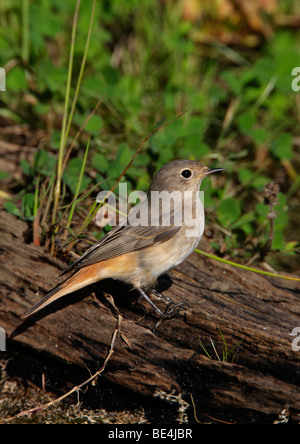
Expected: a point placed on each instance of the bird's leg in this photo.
(161, 296)
(176, 307)
(146, 297)
(171, 310)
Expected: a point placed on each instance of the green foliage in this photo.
(72, 173)
(226, 354)
(144, 60)
(228, 212)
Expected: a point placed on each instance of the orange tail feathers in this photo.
(85, 276)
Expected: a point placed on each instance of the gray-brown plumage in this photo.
(139, 254)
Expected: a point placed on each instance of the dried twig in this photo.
(93, 377)
(270, 194)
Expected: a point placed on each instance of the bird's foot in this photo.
(171, 310)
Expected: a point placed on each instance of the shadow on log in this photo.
(229, 309)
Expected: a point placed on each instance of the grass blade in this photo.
(61, 151)
(244, 267)
(79, 183)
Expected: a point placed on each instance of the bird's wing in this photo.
(123, 239)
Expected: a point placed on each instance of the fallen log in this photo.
(230, 355)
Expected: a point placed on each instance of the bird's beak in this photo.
(212, 171)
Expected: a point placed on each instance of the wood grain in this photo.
(228, 308)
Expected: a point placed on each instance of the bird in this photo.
(138, 253)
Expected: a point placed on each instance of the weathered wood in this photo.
(227, 306)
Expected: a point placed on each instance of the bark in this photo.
(228, 307)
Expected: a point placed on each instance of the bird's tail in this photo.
(85, 276)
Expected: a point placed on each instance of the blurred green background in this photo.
(227, 63)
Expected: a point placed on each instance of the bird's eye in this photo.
(186, 174)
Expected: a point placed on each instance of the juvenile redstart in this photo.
(163, 231)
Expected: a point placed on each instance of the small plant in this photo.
(107, 86)
(225, 352)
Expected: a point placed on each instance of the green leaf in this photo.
(281, 220)
(55, 139)
(27, 205)
(228, 211)
(71, 175)
(233, 81)
(244, 175)
(41, 159)
(16, 80)
(124, 154)
(72, 180)
(259, 182)
(244, 220)
(26, 168)
(11, 208)
(278, 242)
(94, 125)
(51, 77)
(74, 166)
(263, 69)
(259, 135)
(262, 209)
(246, 122)
(282, 147)
(100, 163)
